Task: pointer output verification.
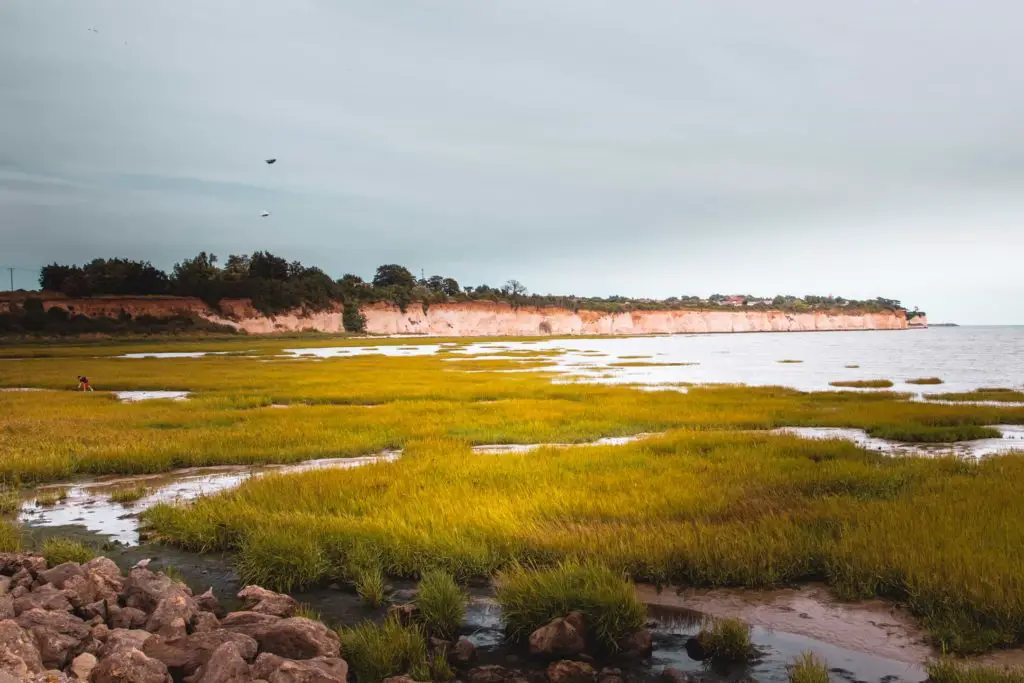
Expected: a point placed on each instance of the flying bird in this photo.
(92, 29)
(264, 214)
(270, 161)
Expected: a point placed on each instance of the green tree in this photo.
(393, 275)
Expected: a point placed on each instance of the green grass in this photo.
(51, 496)
(925, 380)
(442, 604)
(376, 651)
(10, 501)
(60, 550)
(986, 394)
(863, 383)
(790, 361)
(280, 562)
(10, 537)
(307, 611)
(950, 671)
(808, 668)
(370, 585)
(530, 598)
(128, 495)
(727, 641)
(173, 573)
(934, 434)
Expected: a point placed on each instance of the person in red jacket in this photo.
(83, 383)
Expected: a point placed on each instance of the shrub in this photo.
(61, 550)
(808, 668)
(948, 671)
(531, 598)
(376, 651)
(726, 641)
(352, 319)
(10, 537)
(442, 604)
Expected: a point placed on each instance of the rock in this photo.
(566, 671)
(225, 665)
(463, 652)
(577, 620)
(491, 673)
(18, 591)
(399, 679)
(6, 607)
(130, 666)
(557, 639)
(172, 616)
(45, 597)
(208, 602)
(105, 567)
(639, 643)
(5, 585)
(126, 617)
(99, 633)
(58, 635)
(94, 609)
(275, 669)
(695, 649)
(247, 622)
(184, 655)
(82, 666)
(11, 563)
(123, 639)
(205, 622)
(609, 675)
(406, 614)
(22, 578)
(145, 589)
(673, 675)
(19, 654)
(61, 573)
(298, 638)
(262, 601)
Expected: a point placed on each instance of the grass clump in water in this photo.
(789, 361)
(128, 495)
(925, 380)
(726, 641)
(851, 366)
(530, 598)
(10, 537)
(281, 562)
(10, 501)
(370, 585)
(862, 383)
(934, 433)
(994, 394)
(949, 671)
(442, 604)
(377, 651)
(51, 496)
(60, 550)
(808, 668)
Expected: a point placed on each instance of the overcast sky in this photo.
(651, 148)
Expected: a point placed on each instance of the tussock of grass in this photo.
(61, 550)
(934, 434)
(808, 668)
(377, 651)
(173, 573)
(851, 366)
(307, 611)
(647, 364)
(51, 496)
(280, 562)
(925, 380)
(726, 641)
(10, 501)
(10, 537)
(531, 598)
(863, 383)
(789, 361)
(442, 604)
(949, 671)
(986, 394)
(370, 585)
(128, 495)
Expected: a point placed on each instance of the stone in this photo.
(5, 585)
(130, 666)
(58, 635)
(205, 622)
(247, 622)
(225, 665)
(94, 609)
(557, 639)
(577, 620)
(609, 675)
(298, 638)
(123, 639)
(57, 576)
(145, 589)
(275, 669)
(567, 671)
(11, 563)
(262, 601)
(126, 617)
(82, 666)
(674, 675)
(208, 602)
(399, 679)
(492, 673)
(22, 578)
(18, 591)
(45, 597)
(695, 649)
(106, 568)
(639, 643)
(172, 616)
(463, 652)
(6, 607)
(184, 655)
(19, 654)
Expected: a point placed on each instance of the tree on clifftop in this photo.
(393, 275)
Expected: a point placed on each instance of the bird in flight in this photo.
(264, 213)
(270, 161)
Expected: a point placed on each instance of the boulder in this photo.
(19, 654)
(639, 643)
(22, 578)
(275, 669)
(184, 655)
(51, 676)
(18, 591)
(126, 617)
(204, 622)
(6, 607)
(208, 602)
(224, 665)
(492, 673)
(298, 638)
(608, 675)
(10, 563)
(566, 671)
(130, 666)
(577, 620)
(463, 652)
(58, 635)
(123, 639)
(172, 616)
(145, 589)
(61, 573)
(82, 666)
(90, 587)
(105, 567)
(248, 623)
(262, 601)
(5, 585)
(673, 675)
(557, 639)
(695, 649)
(45, 597)
(95, 609)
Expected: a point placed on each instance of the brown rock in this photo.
(399, 679)
(145, 589)
(577, 620)
(608, 675)
(205, 622)
(224, 665)
(99, 633)
(94, 609)
(463, 652)
(19, 654)
(248, 623)
(567, 671)
(298, 638)
(5, 585)
(61, 573)
(58, 635)
(45, 597)
(172, 616)
(262, 601)
(123, 639)
(6, 607)
(82, 666)
(22, 578)
(18, 591)
(105, 567)
(491, 673)
(130, 666)
(276, 669)
(208, 602)
(673, 675)
(557, 639)
(184, 655)
(639, 643)
(126, 617)
(10, 563)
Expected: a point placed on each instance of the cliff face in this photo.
(488, 319)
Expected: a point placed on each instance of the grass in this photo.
(647, 364)
(808, 668)
(950, 671)
(307, 611)
(726, 641)
(10, 537)
(789, 361)
(851, 366)
(128, 495)
(925, 380)
(10, 501)
(279, 562)
(442, 604)
(60, 550)
(370, 585)
(530, 598)
(863, 383)
(377, 651)
(173, 573)
(51, 496)
(986, 394)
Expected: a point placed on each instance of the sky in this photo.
(651, 149)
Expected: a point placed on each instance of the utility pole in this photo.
(11, 271)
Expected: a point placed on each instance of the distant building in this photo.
(735, 300)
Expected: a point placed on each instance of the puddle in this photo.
(1012, 440)
(132, 396)
(174, 354)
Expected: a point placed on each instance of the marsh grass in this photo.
(280, 562)
(370, 585)
(950, 671)
(377, 651)
(128, 495)
(51, 496)
(863, 383)
(985, 394)
(727, 641)
(647, 364)
(60, 550)
(851, 366)
(933, 434)
(925, 380)
(530, 598)
(789, 361)
(10, 537)
(307, 611)
(442, 604)
(10, 501)
(808, 668)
